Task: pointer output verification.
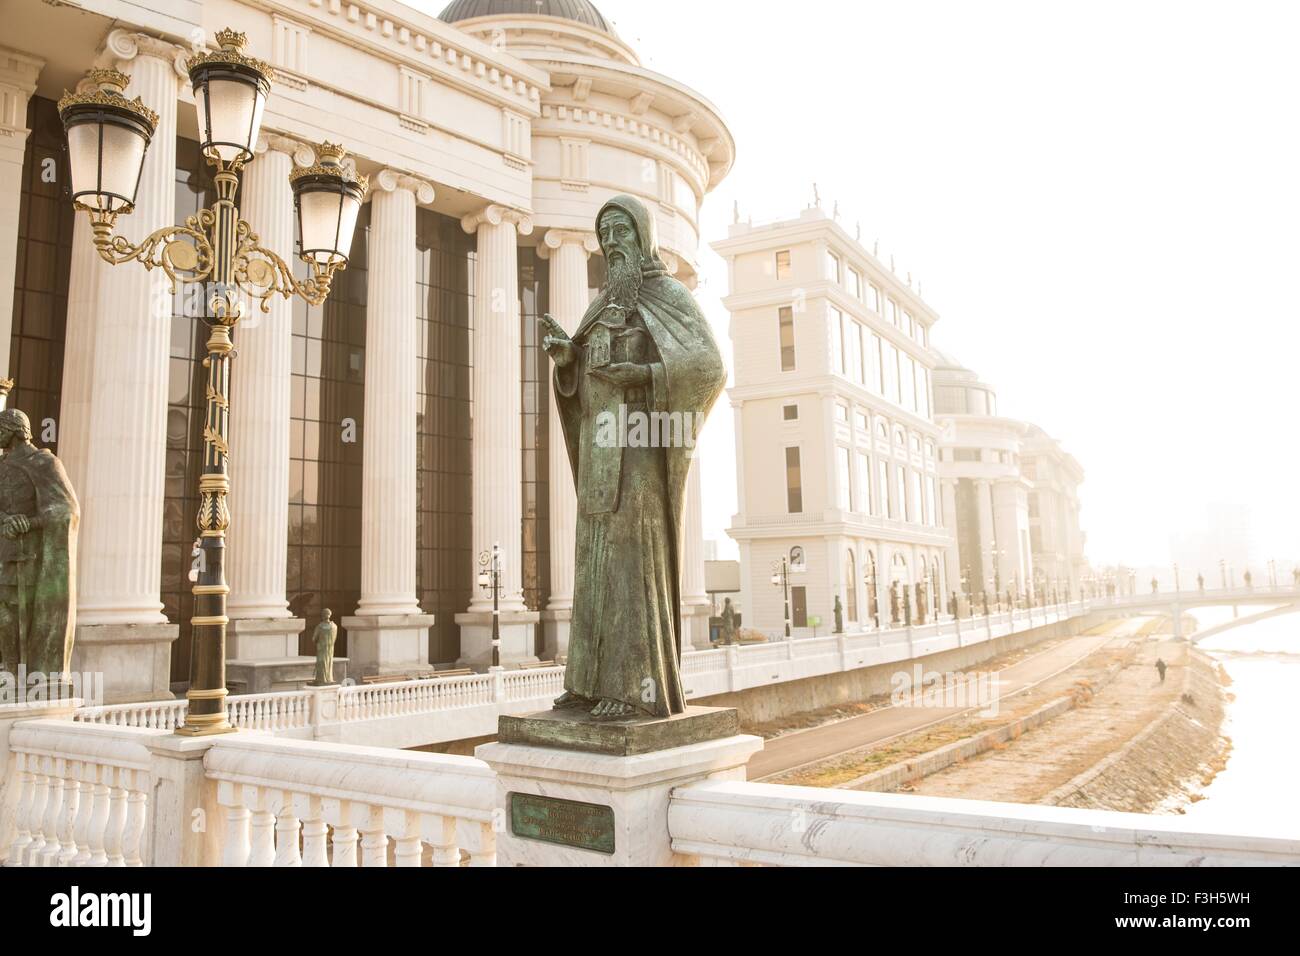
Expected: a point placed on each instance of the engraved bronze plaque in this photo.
(587, 826)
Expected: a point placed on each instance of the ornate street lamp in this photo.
(781, 579)
(489, 579)
(108, 136)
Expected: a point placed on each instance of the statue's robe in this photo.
(41, 566)
(625, 633)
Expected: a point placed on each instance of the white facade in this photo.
(1010, 492)
(836, 443)
(517, 126)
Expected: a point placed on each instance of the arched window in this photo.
(850, 588)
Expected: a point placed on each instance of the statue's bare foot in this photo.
(570, 699)
(612, 710)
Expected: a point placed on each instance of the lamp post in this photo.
(108, 136)
(1223, 573)
(489, 578)
(1177, 587)
(781, 579)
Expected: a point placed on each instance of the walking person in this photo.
(1161, 667)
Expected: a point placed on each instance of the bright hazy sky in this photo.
(1101, 201)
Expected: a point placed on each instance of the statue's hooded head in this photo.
(626, 231)
(14, 423)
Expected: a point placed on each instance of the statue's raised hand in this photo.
(556, 342)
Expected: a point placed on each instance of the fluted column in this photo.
(568, 253)
(120, 547)
(988, 541)
(18, 73)
(497, 457)
(388, 504)
(696, 606)
(497, 439)
(259, 401)
(121, 630)
(389, 633)
(951, 556)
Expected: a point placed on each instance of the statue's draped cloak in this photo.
(625, 635)
(50, 585)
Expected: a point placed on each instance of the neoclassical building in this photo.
(837, 458)
(384, 441)
(1010, 493)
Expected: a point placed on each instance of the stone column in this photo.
(262, 637)
(696, 606)
(389, 633)
(18, 73)
(952, 570)
(568, 253)
(121, 630)
(988, 543)
(497, 461)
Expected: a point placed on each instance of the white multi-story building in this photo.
(1010, 493)
(836, 443)
(382, 442)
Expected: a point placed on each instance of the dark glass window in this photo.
(445, 303)
(786, 323)
(793, 482)
(326, 432)
(534, 301)
(45, 220)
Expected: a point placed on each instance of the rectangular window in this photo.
(864, 483)
(910, 324)
(891, 311)
(882, 487)
(855, 283)
(877, 368)
(936, 503)
(783, 264)
(890, 359)
(793, 482)
(833, 268)
(873, 299)
(841, 413)
(924, 385)
(837, 340)
(863, 422)
(900, 489)
(844, 490)
(855, 331)
(790, 413)
(787, 338)
(914, 498)
(908, 368)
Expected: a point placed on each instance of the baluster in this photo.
(287, 827)
(374, 842)
(133, 829)
(345, 846)
(263, 832)
(443, 841)
(485, 854)
(22, 814)
(98, 819)
(114, 826)
(315, 852)
(237, 849)
(71, 813)
(53, 815)
(409, 847)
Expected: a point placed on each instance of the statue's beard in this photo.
(623, 285)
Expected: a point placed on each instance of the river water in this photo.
(1257, 790)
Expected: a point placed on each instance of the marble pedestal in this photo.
(135, 659)
(388, 645)
(555, 633)
(583, 793)
(517, 636)
(262, 655)
(695, 625)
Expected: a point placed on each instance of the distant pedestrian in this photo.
(1161, 667)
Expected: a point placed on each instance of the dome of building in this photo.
(579, 11)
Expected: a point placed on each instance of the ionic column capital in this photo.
(299, 152)
(555, 238)
(391, 180)
(124, 46)
(495, 215)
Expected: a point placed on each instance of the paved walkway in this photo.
(793, 750)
